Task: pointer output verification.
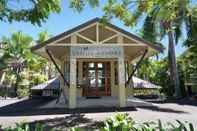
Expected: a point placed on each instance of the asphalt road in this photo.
(12, 111)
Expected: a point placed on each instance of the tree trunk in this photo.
(49, 70)
(17, 80)
(1, 76)
(173, 66)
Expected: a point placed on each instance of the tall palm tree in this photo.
(170, 28)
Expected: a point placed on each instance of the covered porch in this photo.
(103, 102)
(96, 61)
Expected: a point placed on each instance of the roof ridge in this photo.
(91, 21)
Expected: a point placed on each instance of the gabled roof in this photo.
(57, 37)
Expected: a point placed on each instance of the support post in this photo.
(72, 89)
(121, 79)
(138, 64)
(80, 71)
(112, 70)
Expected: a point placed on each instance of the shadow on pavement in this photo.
(31, 107)
(64, 123)
(161, 109)
(184, 101)
(69, 122)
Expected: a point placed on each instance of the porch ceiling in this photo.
(131, 53)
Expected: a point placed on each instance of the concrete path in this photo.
(164, 111)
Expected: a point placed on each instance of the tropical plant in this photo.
(119, 122)
(146, 70)
(122, 122)
(25, 127)
(38, 78)
(22, 63)
(36, 12)
(16, 53)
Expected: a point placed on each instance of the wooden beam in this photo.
(120, 39)
(73, 38)
(109, 38)
(74, 33)
(97, 33)
(57, 67)
(83, 37)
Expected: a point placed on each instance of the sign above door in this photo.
(96, 51)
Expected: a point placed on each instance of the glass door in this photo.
(97, 74)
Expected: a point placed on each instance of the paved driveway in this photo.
(182, 110)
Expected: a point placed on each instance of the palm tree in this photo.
(167, 18)
(17, 53)
(172, 28)
(165, 28)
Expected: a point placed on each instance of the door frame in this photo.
(88, 92)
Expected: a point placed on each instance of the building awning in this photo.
(142, 84)
(52, 84)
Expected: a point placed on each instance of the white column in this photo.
(72, 89)
(121, 82)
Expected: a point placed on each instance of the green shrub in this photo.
(23, 88)
(26, 127)
(119, 122)
(122, 122)
(38, 79)
(23, 91)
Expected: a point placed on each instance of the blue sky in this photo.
(67, 19)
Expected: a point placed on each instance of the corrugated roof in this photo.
(139, 83)
(52, 84)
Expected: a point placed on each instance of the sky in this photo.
(67, 19)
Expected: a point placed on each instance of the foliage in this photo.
(182, 77)
(25, 127)
(20, 63)
(158, 73)
(36, 12)
(146, 70)
(23, 91)
(189, 57)
(119, 122)
(78, 5)
(122, 122)
(43, 36)
(38, 78)
(16, 49)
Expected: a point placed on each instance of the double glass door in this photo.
(98, 76)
